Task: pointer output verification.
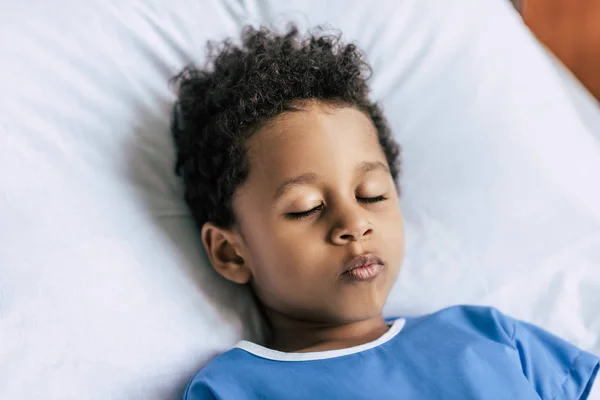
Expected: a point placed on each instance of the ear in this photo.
(224, 250)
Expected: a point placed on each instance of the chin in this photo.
(363, 313)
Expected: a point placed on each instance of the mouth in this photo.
(364, 268)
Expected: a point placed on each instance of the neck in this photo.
(291, 334)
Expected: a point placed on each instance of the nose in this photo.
(351, 226)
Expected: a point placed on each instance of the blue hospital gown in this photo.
(461, 352)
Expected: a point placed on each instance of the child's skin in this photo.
(294, 262)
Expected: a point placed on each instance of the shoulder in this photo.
(233, 361)
(553, 366)
(462, 325)
(223, 371)
(466, 321)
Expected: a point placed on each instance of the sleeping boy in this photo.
(291, 174)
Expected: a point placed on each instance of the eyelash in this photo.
(304, 214)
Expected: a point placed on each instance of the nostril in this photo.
(352, 232)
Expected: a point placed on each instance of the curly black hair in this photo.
(242, 87)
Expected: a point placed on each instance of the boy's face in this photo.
(318, 194)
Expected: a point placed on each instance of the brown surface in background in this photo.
(571, 29)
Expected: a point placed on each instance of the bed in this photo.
(104, 289)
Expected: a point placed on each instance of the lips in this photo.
(363, 268)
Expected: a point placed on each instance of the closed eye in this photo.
(371, 199)
(304, 214)
(308, 213)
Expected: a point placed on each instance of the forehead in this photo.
(321, 139)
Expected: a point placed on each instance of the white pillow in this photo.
(104, 290)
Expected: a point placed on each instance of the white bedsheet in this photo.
(104, 291)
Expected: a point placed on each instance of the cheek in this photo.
(393, 232)
(288, 264)
(397, 228)
(274, 252)
(282, 271)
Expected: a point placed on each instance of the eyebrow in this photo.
(311, 177)
(367, 166)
